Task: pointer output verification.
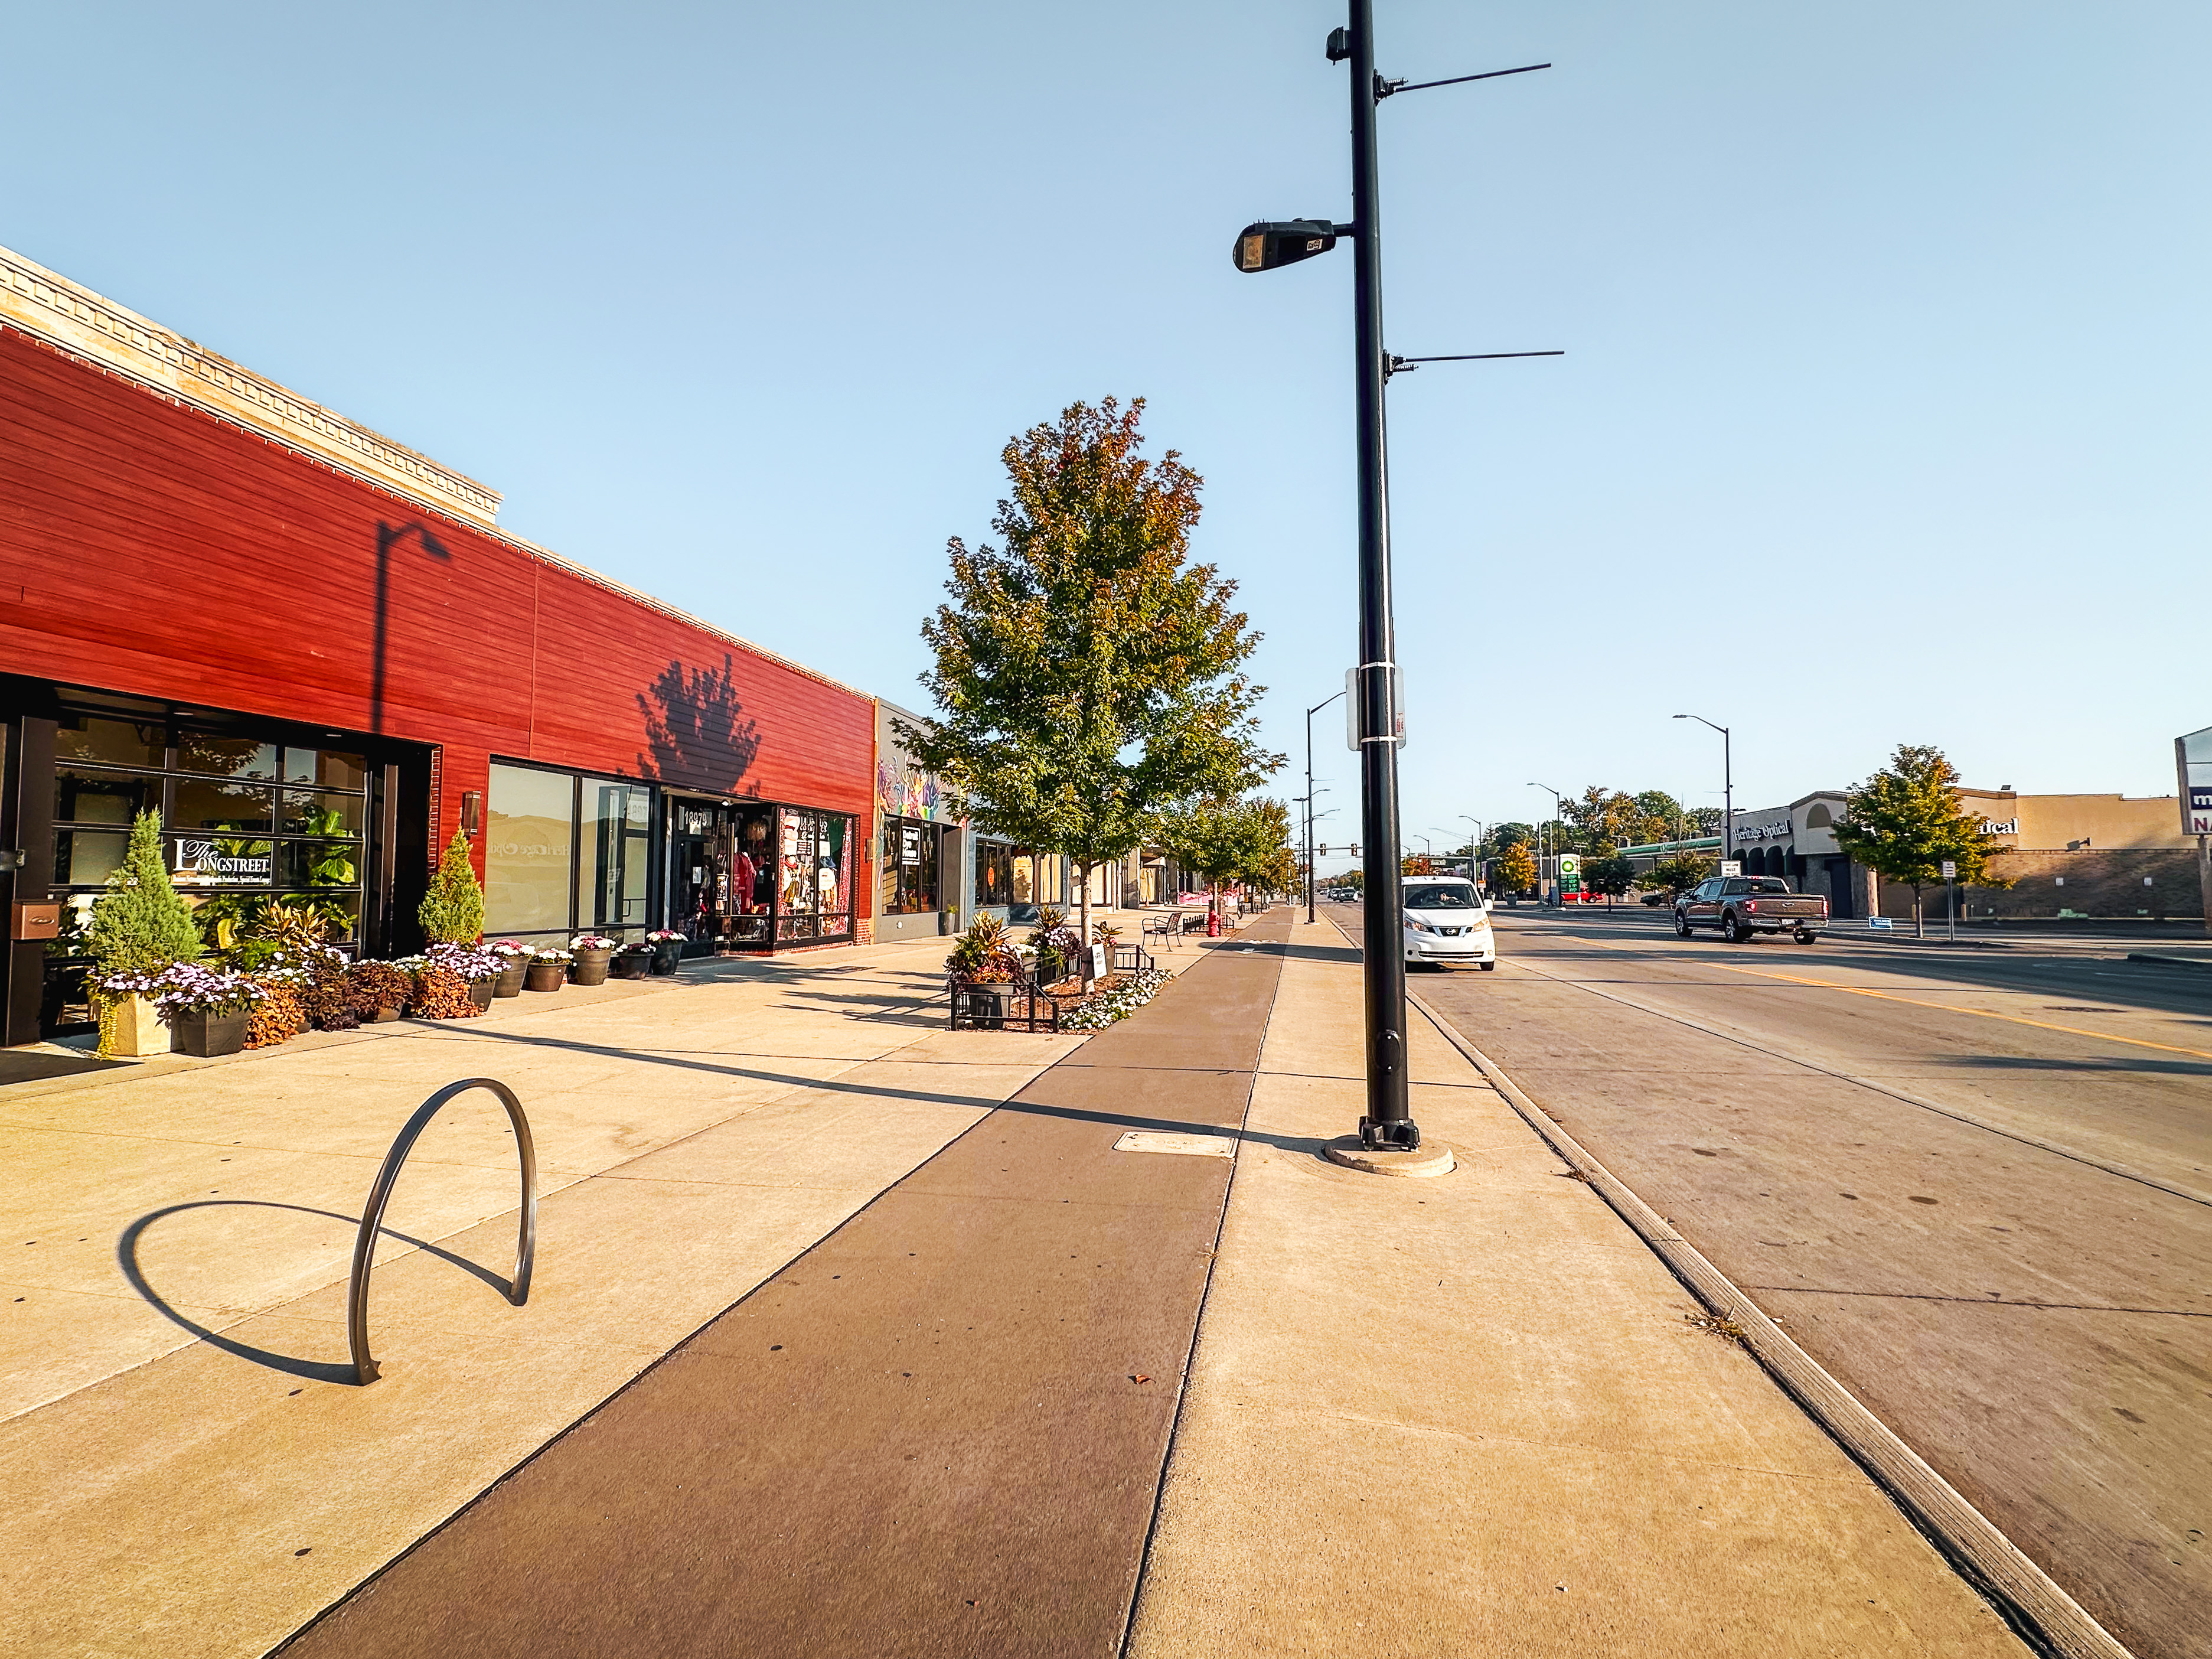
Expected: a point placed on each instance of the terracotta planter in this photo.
(511, 972)
(138, 1029)
(209, 1034)
(666, 954)
(480, 991)
(590, 967)
(546, 977)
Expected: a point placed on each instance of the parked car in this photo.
(1446, 922)
(1742, 907)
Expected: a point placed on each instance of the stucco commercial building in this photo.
(314, 651)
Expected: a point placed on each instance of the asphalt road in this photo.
(1974, 1184)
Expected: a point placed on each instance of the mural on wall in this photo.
(904, 791)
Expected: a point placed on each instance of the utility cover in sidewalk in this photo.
(1157, 1140)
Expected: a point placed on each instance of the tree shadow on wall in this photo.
(696, 729)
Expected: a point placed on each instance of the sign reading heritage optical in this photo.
(2192, 764)
(206, 860)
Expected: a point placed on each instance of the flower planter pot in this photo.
(630, 965)
(209, 1034)
(666, 954)
(983, 1006)
(948, 923)
(511, 973)
(481, 993)
(590, 968)
(546, 977)
(138, 1030)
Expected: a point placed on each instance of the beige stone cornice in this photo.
(55, 309)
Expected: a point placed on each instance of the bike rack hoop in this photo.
(379, 1195)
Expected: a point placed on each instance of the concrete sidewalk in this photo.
(189, 1469)
(926, 1331)
(1468, 1415)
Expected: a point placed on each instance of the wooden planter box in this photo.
(209, 1034)
(138, 1029)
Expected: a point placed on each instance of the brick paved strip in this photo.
(923, 1436)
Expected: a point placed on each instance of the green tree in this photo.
(1086, 673)
(1905, 821)
(1610, 876)
(452, 912)
(1228, 840)
(1679, 873)
(1516, 869)
(1659, 816)
(140, 925)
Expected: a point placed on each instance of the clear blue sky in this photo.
(1885, 417)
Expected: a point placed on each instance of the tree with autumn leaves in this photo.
(1088, 676)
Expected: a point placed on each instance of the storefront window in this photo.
(909, 867)
(611, 893)
(235, 846)
(813, 876)
(530, 834)
(994, 872)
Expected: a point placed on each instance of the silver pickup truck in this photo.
(1742, 906)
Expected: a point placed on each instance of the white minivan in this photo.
(1447, 922)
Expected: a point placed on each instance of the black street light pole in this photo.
(1311, 713)
(1389, 1120)
(1728, 788)
(1268, 245)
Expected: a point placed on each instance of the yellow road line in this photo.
(1953, 1008)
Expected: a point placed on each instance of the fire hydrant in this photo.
(1213, 920)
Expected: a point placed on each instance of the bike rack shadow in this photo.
(379, 1195)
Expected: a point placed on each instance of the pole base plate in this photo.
(1419, 1162)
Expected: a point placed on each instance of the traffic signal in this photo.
(1271, 244)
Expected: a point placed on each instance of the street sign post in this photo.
(1951, 896)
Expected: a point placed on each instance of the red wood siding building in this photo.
(159, 551)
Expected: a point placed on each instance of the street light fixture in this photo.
(1311, 713)
(1269, 245)
(1728, 788)
(1544, 829)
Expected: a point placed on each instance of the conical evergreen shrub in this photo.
(140, 925)
(452, 912)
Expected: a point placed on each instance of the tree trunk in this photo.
(1919, 928)
(1083, 908)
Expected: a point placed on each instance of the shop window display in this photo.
(234, 843)
(909, 865)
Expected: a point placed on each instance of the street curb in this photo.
(2202, 965)
(2043, 1614)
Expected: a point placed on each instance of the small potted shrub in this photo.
(441, 988)
(278, 1016)
(207, 1008)
(452, 912)
(324, 992)
(513, 964)
(377, 991)
(984, 961)
(549, 969)
(139, 928)
(667, 950)
(477, 970)
(592, 953)
(632, 961)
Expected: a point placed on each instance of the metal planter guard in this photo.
(372, 1217)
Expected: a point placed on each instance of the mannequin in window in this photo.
(748, 878)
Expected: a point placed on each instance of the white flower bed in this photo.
(1118, 1001)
